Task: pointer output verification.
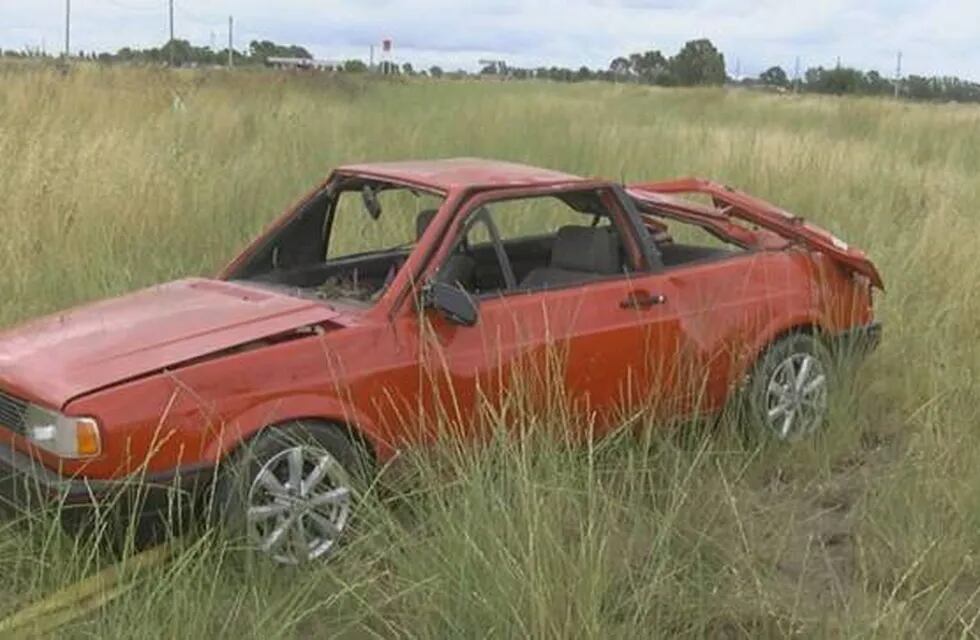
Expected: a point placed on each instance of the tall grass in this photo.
(112, 179)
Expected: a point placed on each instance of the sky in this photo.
(936, 37)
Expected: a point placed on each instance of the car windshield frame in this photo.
(354, 185)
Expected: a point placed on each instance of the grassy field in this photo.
(114, 179)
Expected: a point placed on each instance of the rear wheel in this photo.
(788, 392)
(291, 491)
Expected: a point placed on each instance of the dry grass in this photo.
(114, 179)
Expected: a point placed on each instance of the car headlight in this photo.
(64, 436)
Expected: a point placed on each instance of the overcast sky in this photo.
(936, 36)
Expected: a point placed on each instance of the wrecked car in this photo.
(393, 300)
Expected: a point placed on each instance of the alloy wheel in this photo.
(796, 397)
(299, 505)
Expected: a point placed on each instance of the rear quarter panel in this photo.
(806, 290)
(842, 296)
(730, 310)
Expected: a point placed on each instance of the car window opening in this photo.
(538, 242)
(346, 244)
(681, 243)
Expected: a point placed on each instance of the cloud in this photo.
(936, 36)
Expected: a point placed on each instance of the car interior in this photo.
(570, 255)
(300, 257)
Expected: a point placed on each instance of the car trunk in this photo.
(730, 204)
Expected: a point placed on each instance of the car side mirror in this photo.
(453, 303)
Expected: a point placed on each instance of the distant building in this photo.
(304, 63)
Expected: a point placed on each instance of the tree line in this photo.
(182, 53)
(698, 63)
(851, 81)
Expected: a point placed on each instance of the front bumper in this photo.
(27, 485)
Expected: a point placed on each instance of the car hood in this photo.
(58, 358)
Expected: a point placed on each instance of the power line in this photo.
(67, 29)
(231, 41)
(171, 43)
(898, 74)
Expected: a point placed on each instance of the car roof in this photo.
(455, 173)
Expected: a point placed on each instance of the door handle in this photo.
(642, 300)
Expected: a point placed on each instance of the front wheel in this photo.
(291, 491)
(788, 391)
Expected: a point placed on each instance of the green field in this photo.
(112, 179)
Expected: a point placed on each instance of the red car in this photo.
(394, 298)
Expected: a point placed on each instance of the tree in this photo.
(260, 50)
(960, 90)
(408, 69)
(774, 77)
(650, 67)
(620, 67)
(812, 77)
(435, 71)
(636, 63)
(561, 74)
(177, 50)
(698, 63)
(839, 81)
(875, 84)
(920, 88)
(355, 66)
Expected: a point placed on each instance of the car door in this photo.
(590, 353)
(619, 341)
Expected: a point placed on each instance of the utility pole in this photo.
(67, 29)
(171, 43)
(796, 75)
(231, 41)
(371, 65)
(898, 74)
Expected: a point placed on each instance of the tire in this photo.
(290, 492)
(787, 396)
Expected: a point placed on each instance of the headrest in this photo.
(423, 220)
(591, 249)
